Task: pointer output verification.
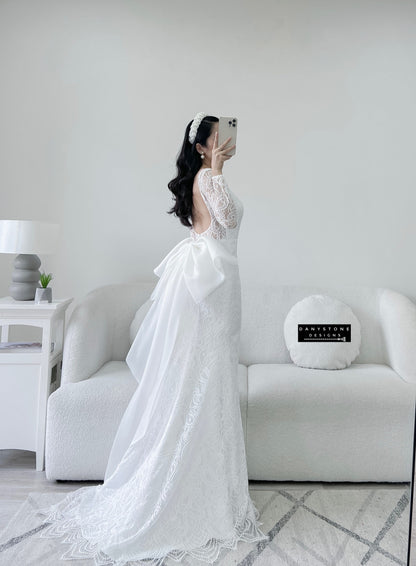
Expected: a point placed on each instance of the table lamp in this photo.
(27, 238)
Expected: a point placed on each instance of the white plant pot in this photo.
(43, 295)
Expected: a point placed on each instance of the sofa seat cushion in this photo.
(83, 418)
(113, 384)
(362, 416)
(86, 415)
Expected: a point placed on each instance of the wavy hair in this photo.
(188, 163)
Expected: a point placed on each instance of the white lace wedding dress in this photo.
(176, 481)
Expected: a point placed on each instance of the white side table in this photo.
(28, 377)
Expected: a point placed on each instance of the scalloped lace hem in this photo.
(82, 549)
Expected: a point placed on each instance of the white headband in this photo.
(195, 125)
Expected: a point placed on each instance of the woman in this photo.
(176, 481)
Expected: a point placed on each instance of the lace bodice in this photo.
(225, 209)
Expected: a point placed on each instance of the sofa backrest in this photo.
(264, 309)
(265, 306)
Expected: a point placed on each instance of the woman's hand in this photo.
(219, 155)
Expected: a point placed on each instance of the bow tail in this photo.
(164, 268)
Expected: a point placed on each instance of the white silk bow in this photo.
(201, 262)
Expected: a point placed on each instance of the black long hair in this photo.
(188, 164)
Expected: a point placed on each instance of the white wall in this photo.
(95, 97)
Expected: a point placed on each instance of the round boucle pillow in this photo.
(138, 319)
(316, 331)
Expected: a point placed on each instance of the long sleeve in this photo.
(214, 189)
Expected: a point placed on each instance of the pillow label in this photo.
(324, 332)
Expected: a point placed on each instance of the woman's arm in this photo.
(215, 189)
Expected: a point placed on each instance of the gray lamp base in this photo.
(25, 277)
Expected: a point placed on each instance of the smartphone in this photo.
(227, 127)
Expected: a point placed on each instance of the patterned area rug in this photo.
(328, 526)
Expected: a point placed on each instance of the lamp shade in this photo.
(28, 237)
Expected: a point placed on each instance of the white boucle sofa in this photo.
(349, 425)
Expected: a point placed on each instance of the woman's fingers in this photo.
(219, 152)
(224, 143)
(228, 149)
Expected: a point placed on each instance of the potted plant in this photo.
(44, 293)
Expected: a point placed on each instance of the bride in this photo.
(176, 481)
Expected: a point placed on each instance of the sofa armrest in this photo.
(88, 335)
(398, 327)
(98, 330)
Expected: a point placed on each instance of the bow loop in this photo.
(200, 262)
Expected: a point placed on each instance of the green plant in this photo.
(44, 279)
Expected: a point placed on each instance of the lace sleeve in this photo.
(215, 190)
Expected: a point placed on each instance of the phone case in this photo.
(228, 127)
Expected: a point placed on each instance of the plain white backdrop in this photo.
(95, 97)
